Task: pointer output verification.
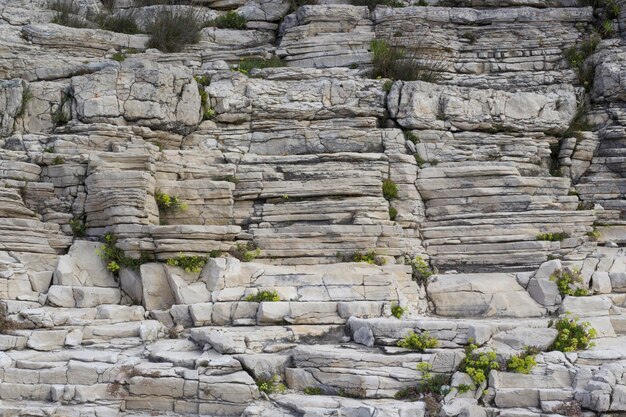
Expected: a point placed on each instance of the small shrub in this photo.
(607, 30)
(612, 9)
(230, 20)
(369, 257)
(264, 296)
(357, 393)
(419, 342)
(67, 14)
(393, 213)
(270, 385)
(553, 237)
(118, 56)
(594, 235)
(122, 23)
(399, 63)
(169, 203)
(433, 386)
(470, 36)
(422, 3)
(390, 189)
(397, 311)
(313, 391)
(188, 263)
(115, 258)
(27, 96)
(478, 365)
(387, 86)
(524, 362)
(172, 30)
(48, 149)
(58, 160)
(6, 324)
(463, 388)
(420, 270)
(59, 116)
(576, 57)
(248, 64)
(420, 161)
(572, 335)
(568, 281)
(78, 227)
(245, 252)
(410, 136)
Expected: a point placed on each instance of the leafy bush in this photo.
(419, 342)
(371, 4)
(390, 189)
(78, 227)
(410, 136)
(313, 391)
(573, 335)
(594, 235)
(397, 311)
(189, 263)
(230, 20)
(169, 203)
(433, 385)
(248, 64)
(118, 56)
(369, 257)
(67, 14)
(576, 57)
(568, 281)
(420, 270)
(393, 213)
(115, 258)
(387, 86)
(172, 29)
(58, 160)
(478, 365)
(245, 252)
(122, 23)
(398, 63)
(270, 385)
(264, 295)
(524, 362)
(553, 237)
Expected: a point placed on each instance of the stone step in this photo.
(362, 372)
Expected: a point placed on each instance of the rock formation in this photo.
(255, 224)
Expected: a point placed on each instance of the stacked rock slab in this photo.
(477, 169)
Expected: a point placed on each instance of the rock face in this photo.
(278, 219)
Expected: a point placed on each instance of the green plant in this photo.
(27, 96)
(118, 56)
(612, 9)
(420, 270)
(431, 385)
(463, 388)
(400, 63)
(59, 116)
(568, 282)
(264, 295)
(524, 362)
(6, 324)
(58, 160)
(553, 237)
(606, 29)
(169, 203)
(478, 365)
(470, 36)
(422, 3)
(245, 252)
(172, 29)
(390, 189)
(397, 311)
(248, 64)
(207, 111)
(576, 57)
(410, 136)
(585, 205)
(270, 385)
(368, 257)
(393, 213)
(67, 14)
(121, 23)
(573, 335)
(313, 391)
(420, 161)
(230, 20)
(419, 342)
(78, 227)
(188, 263)
(115, 258)
(48, 149)
(594, 235)
(387, 85)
